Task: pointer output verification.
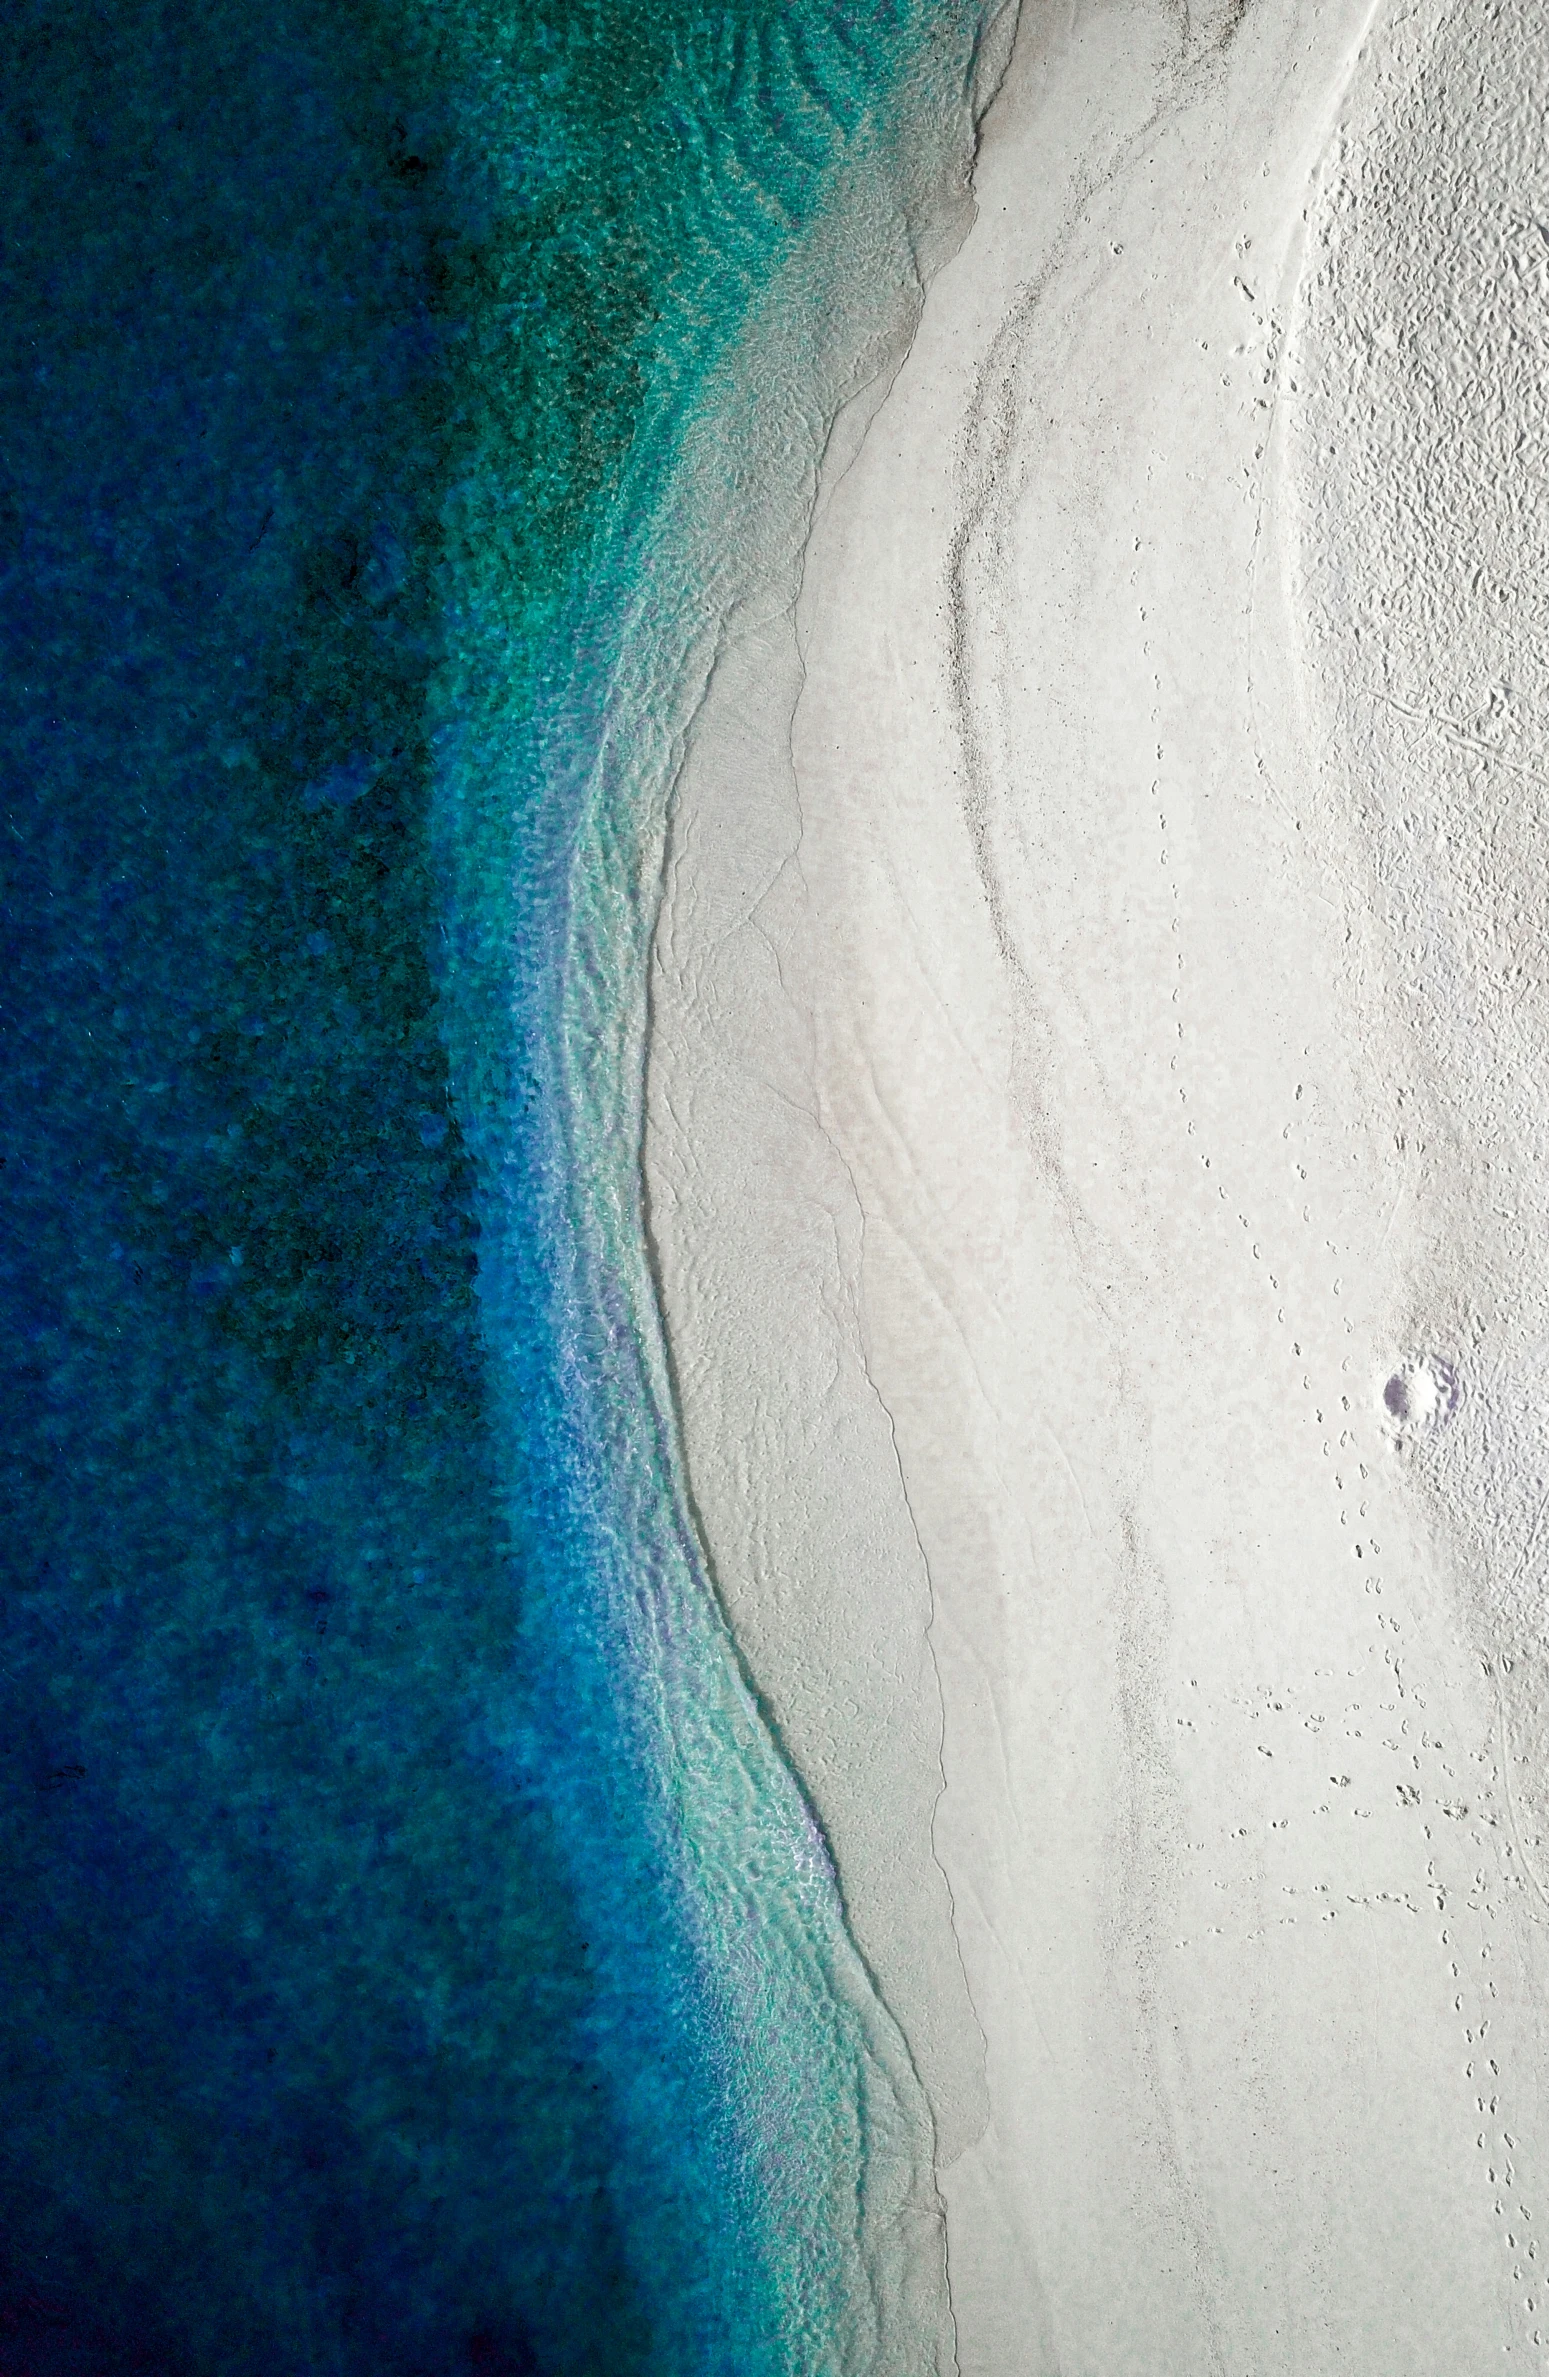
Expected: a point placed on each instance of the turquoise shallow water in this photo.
(418, 1955)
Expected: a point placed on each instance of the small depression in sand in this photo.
(1419, 1395)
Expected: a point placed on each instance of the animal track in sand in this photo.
(1414, 1395)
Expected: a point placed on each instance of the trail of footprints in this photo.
(1454, 1814)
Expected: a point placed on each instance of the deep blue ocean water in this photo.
(415, 1953)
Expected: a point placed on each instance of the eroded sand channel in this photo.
(1097, 1090)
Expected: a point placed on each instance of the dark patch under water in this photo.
(291, 1995)
(297, 2012)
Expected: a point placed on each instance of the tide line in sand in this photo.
(1093, 1160)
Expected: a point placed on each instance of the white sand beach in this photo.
(1100, 1041)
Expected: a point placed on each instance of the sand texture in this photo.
(1099, 1075)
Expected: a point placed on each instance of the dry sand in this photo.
(1100, 1039)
